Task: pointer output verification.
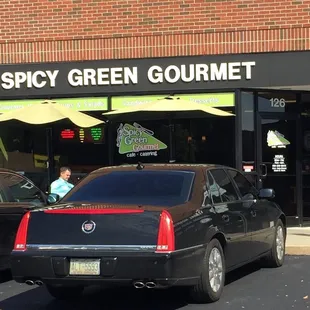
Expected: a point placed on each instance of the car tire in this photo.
(65, 292)
(209, 289)
(275, 257)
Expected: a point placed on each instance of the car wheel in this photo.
(276, 256)
(65, 292)
(212, 278)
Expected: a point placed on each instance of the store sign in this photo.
(210, 99)
(118, 103)
(134, 140)
(276, 140)
(77, 104)
(224, 71)
(158, 75)
(279, 164)
(118, 76)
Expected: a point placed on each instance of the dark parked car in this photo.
(152, 226)
(17, 196)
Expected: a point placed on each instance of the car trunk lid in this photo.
(107, 226)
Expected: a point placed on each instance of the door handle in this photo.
(225, 218)
(253, 213)
(264, 171)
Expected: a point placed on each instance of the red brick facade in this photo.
(69, 30)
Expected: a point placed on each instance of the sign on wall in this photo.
(160, 75)
(118, 103)
(77, 104)
(112, 76)
(135, 140)
(209, 99)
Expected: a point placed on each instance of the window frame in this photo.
(233, 184)
(68, 197)
(9, 195)
(5, 190)
(209, 189)
(255, 196)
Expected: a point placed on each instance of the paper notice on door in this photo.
(279, 164)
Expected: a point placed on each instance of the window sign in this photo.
(248, 168)
(77, 104)
(276, 140)
(135, 140)
(211, 99)
(279, 164)
(133, 101)
(93, 135)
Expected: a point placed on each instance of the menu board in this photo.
(93, 135)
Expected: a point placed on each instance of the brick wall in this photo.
(62, 30)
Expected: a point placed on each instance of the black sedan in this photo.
(152, 226)
(18, 195)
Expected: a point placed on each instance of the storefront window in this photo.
(23, 148)
(212, 140)
(195, 140)
(248, 134)
(197, 137)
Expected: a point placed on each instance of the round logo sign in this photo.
(88, 227)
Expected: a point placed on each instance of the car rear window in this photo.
(164, 188)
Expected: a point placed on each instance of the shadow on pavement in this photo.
(242, 272)
(5, 276)
(113, 299)
(123, 299)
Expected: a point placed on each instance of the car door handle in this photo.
(253, 213)
(225, 218)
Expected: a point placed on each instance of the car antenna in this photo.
(140, 166)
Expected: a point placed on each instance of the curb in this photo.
(297, 250)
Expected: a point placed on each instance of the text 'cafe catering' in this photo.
(266, 94)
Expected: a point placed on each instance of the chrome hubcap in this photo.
(215, 269)
(280, 243)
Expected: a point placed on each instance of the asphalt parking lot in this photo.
(250, 287)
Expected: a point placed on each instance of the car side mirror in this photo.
(266, 193)
(52, 198)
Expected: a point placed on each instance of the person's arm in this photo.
(54, 187)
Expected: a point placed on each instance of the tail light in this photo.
(165, 240)
(21, 236)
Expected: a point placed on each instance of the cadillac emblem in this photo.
(88, 227)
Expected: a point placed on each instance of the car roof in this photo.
(4, 170)
(154, 167)
(9, 171)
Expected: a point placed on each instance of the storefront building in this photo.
(266, 135)
(239, 57)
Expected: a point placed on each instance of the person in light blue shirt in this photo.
(61, 186)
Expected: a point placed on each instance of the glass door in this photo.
(277, 161)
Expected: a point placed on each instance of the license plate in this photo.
(86, 267)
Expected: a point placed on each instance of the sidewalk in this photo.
(298, 241)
